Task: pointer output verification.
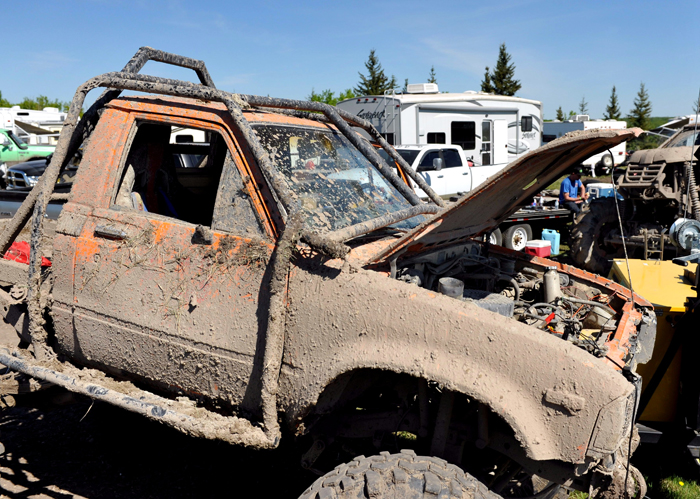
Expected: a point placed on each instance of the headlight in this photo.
(32, 180)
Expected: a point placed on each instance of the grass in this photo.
(675, 487)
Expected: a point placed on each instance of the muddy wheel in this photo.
(588, 247)
(517, 236)
(397, 475)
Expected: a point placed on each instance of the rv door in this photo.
(486, 134)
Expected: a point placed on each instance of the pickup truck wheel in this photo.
(588, 247)
(397, 475)
(517, 236)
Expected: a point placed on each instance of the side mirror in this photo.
(23, 146)
(437, 164)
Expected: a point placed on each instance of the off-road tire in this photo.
(588, 232)
(397, 475)
(516, 236)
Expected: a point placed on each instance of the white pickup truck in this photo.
(445, 168)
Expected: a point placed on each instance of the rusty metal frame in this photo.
(77, 132)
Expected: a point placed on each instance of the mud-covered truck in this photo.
(294, 287)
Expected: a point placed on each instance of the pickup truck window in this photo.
(332, 182)
(409, 155)
(20, 143)
(181, 181)
(464, 134)
(450, 158)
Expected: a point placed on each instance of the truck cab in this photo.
(14, 150)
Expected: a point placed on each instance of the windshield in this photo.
(409, 155)
(17, 140)
(333, 183)
(685, 139)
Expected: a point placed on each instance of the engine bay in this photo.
(590, 312)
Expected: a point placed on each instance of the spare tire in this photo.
(588, 247)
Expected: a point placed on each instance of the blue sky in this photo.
(563, 51)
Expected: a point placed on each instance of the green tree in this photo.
(41, 102)
(376, 82)
(501, 80)
(404, 90)
(560, 114)
(329, 97)
(696, 104)
(431, 76)
(486, 85)
(4, 102)
(612, 110)
(583, 106)
(641, 112)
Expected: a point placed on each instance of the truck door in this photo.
(456, 175)
(168, 275)
(434, 178)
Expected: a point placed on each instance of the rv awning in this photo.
(37, 130)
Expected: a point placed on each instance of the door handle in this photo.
(440, 176)
(465, 173)
(109, 232)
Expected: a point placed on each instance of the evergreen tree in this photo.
(612, 110)
(431, 76)
(560, 114)
(486, 85)
(502, 78)
(641, 112)
(376, 82)
(696, 104)
(583, 106)
(404, 90)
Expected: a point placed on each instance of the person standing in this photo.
(572, 192)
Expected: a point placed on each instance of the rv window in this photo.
(451, 158)
(464, 134)
(436, 138)
(389, 138)
(548, 138)
(526, 124)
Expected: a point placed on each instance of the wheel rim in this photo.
(492, 239)
(519, 239)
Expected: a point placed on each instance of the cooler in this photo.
(553, 237)
(538, 247)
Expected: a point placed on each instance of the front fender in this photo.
(550, 392)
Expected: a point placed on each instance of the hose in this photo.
(513, 283)
(590, 302)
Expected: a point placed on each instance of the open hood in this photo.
(486, 207)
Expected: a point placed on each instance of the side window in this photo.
(426, 163)
(179, 178)
(548, 138)
(436, 138)
(464, 134)
(389, 138)
(451, 158)
(526, 124)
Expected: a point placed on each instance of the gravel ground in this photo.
(57, 445)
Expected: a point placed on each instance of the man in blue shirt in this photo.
(572, 192)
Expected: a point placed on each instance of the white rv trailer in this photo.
(34, 126)
(491, 129)
(602, 162)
